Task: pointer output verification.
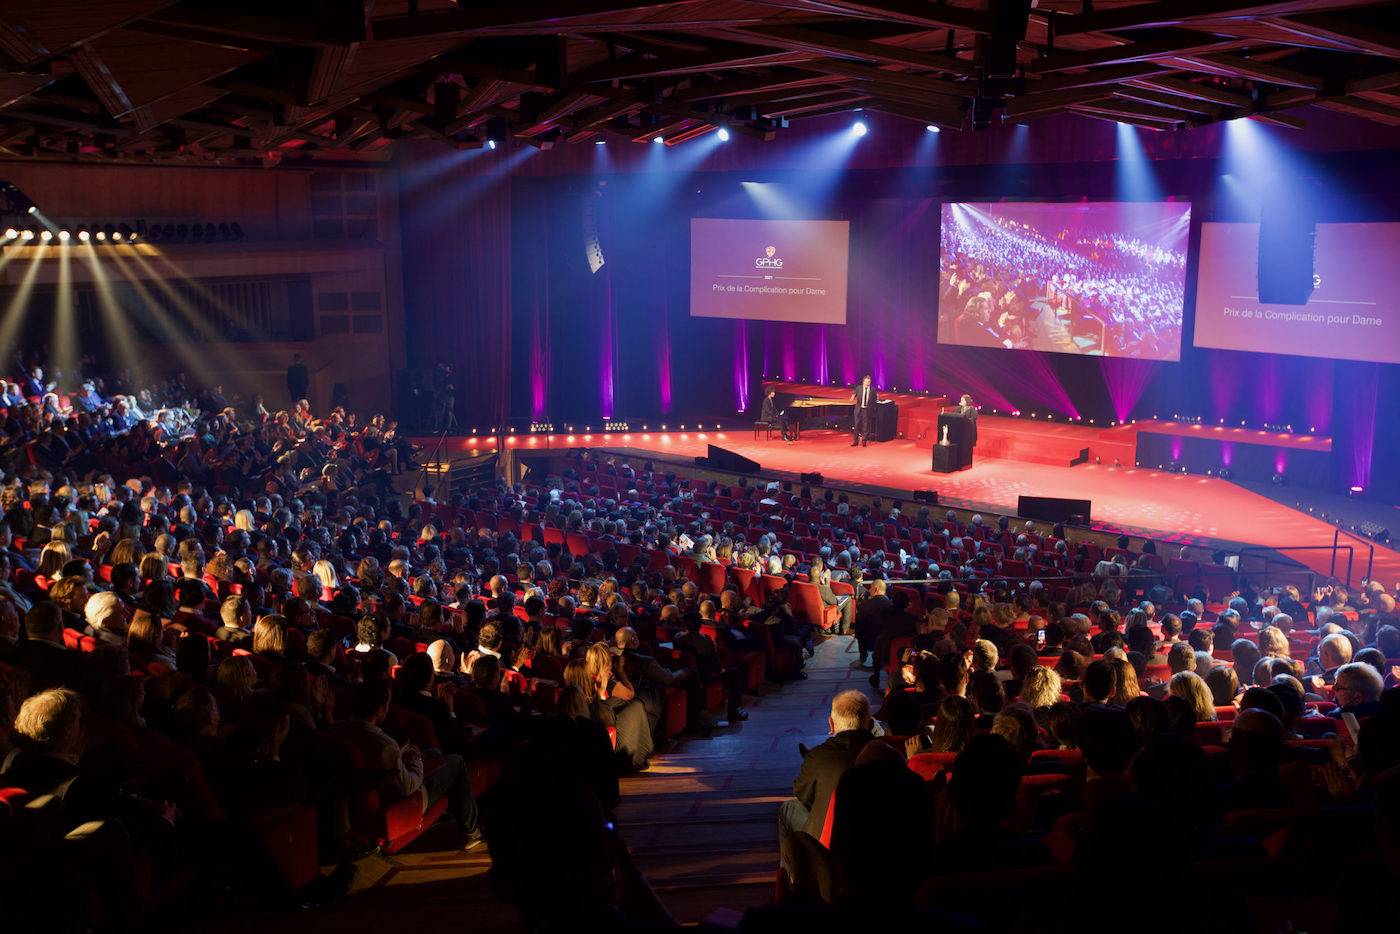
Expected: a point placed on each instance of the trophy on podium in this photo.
(945, 436)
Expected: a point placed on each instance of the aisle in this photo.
(702, 821)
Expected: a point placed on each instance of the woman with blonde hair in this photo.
(610, 685)
(244, 520)
(324, 572)
(1272, 642)
(52, 559)
(1125, 682)
(143, 641)
(1041, 687)
(270, 637)
(154, 567)
(123, 552)
(1192, 687)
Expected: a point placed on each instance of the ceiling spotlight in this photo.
(723, 135)
(859, 128)
(657, 139)
(931, 128)
(600, 142)
(46, 235)
(491, 144)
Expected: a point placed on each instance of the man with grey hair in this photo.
(1333, 652)
(1357, 690)
(106, 618)
(849, 726)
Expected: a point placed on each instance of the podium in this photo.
(962, 435)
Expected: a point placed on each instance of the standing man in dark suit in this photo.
(822, 767)
(864, 398)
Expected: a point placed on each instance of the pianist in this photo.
(772, 415)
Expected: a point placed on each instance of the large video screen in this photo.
(1352, 314)
(1102, 278)
(769, 270)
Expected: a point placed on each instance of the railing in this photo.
(1270, 556)
(432, 459)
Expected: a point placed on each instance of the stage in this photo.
(1172, 507)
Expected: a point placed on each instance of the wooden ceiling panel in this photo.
(239, 80)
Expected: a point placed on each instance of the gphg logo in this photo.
(769, 259)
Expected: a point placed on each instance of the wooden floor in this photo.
(702, 821)
(701, 824)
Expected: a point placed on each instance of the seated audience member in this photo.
(850, 723)
(236, 617)
(403, 766)
(1356, 688)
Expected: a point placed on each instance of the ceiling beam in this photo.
(1198, 90)
(909, 12)
(834, 102)
(323, 22)
(1167, 46)
(1041, 102)
(729, 87)
(1163, 99)
(721, 59)
(1362, 107)
(882, 52)
(1112, 74)
(906, 79)
(1260, 71)
(1343, 31)
(1147, 112)
(555, 15)
(1183, 12)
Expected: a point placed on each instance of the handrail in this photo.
(1267, 552)
(432, 458)
(1370, 554)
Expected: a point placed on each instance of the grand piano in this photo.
(834, 412)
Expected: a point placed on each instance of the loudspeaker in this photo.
(720, 459)
(815, 479)
(1287, 237)
(926, 496)
(1054, 509)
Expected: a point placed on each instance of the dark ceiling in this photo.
(252, 81)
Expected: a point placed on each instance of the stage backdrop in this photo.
(500, 280)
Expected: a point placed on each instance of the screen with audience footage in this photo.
(1099, 278)
(769, 270)
(1352, 314)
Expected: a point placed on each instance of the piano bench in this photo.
(766, 428)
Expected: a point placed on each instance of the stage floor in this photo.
(1168, 506)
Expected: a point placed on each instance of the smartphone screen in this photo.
(1040, 638)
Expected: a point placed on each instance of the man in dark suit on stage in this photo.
(864, 398)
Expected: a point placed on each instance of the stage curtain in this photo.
(457, 279)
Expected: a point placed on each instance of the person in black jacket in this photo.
(822, 766)
(709, 666)
(413, 691)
